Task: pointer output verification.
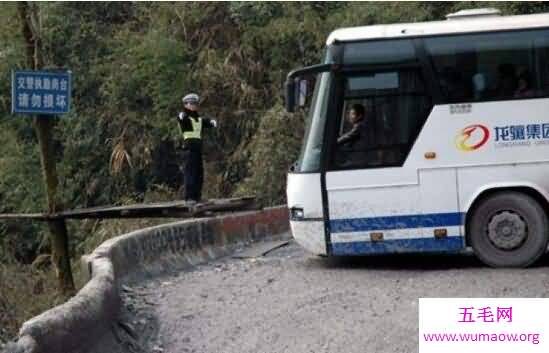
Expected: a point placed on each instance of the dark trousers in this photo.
(194, 173)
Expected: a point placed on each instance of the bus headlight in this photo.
(296, 214)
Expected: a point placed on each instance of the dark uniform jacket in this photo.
(185, 124)
(358, 138)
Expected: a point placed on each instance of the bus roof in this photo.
(455, 24)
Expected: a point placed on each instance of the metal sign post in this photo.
(47, 93)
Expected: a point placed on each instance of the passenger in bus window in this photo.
(455, 86)
(479, 85)
(524, 85)
(507, 81)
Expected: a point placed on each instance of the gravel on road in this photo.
(292, 302)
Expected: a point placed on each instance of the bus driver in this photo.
(356, 141)
(358, 130)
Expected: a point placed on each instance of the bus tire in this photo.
(509, 229)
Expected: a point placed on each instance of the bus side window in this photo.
(395, 107)
(542, 48)
(491, 66)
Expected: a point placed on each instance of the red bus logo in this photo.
(472, 137)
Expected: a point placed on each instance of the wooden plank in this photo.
(157, 209)
(163, 209)
(260, 249)
(38, 216)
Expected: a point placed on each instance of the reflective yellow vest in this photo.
(196, 132)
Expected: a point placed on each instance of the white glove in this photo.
(214, 122)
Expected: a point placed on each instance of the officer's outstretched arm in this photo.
(209, 122)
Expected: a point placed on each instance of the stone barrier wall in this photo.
(85, 318)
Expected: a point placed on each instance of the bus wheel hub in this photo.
(507, 230)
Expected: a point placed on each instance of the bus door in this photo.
(373, 195)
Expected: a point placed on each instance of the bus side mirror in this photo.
(302, 93)
(290, 95)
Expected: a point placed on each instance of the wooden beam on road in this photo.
(176, 209)
(36, 216)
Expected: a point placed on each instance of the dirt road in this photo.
(293, 302)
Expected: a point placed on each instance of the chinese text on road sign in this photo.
(41, 92)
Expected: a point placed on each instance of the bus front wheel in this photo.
(509, 229)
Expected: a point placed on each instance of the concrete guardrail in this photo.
(85, 318)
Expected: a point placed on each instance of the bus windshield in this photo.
(311, 152)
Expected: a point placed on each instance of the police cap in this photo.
(191, 98)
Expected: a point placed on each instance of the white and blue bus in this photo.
(457, 132)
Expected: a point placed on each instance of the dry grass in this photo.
(26, 291)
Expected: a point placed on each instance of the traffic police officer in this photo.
(191, 124)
